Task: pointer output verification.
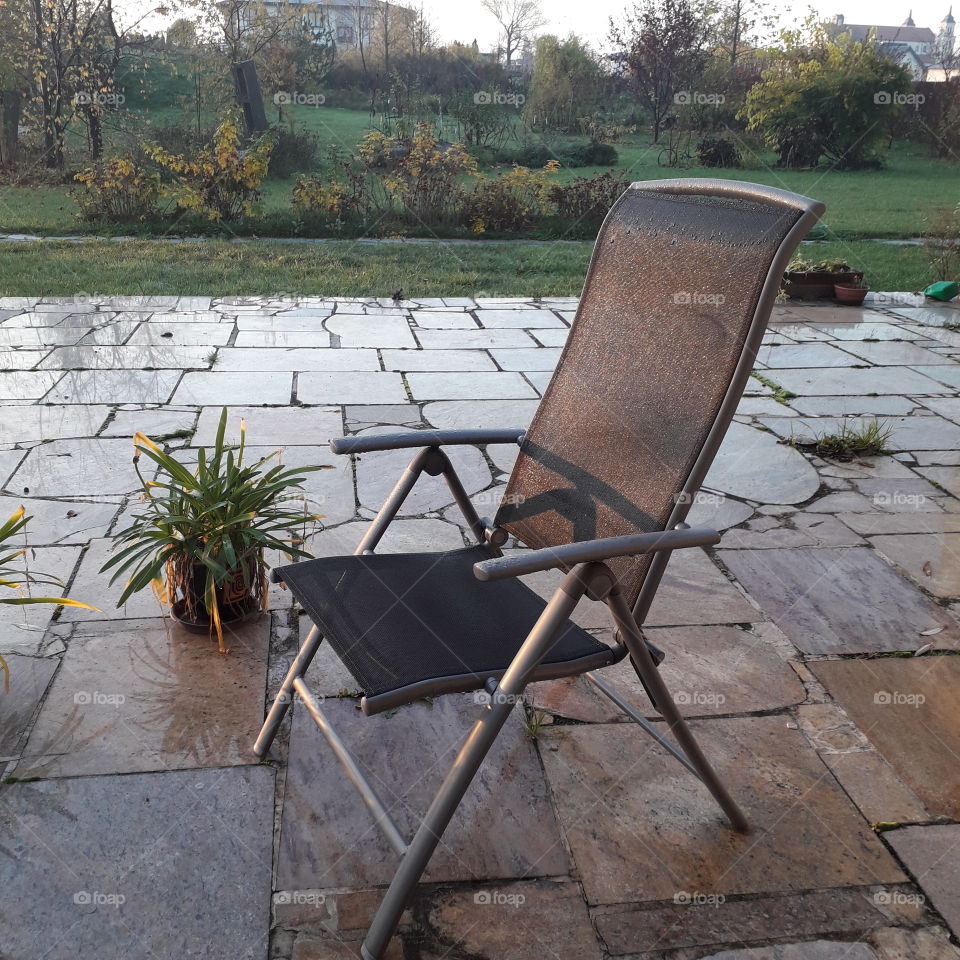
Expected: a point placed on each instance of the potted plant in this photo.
(852, 293)
(815, 280)
(201, 537)
(20, 578)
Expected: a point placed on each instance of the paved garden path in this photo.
(815, 648)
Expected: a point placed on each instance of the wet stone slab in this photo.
(234, 388)
(908, 709)
(147, 695)
(506, 922)
(67, 468)
(930, 855)
(143, 357)
(503, 829)
(378, 473)
(362, 387)
(839, 600)
(752, 465)
(709, 671)
(115, 386)
(296, 358)
(273, 426)
(62, 521)
(26, 385)
(622, 798)
(854, 382)
(930, 560)
(31, 424)
(647, 928)
(26, 680)
(22, 626)
(150, 865)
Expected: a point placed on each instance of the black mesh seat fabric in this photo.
(418, 624)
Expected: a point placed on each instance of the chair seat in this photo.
(420, 624)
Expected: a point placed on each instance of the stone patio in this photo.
(815, 650)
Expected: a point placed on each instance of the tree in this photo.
(827, 97)
(68, 53)
(663, 47)
(182, 33)
(738, 22)
(563, 85)
(518, 20)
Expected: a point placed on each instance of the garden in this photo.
(412, 139)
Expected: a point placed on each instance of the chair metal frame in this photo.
(587, 575)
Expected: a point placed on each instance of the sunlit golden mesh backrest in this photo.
(669, 299)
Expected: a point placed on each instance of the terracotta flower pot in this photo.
(849, 294)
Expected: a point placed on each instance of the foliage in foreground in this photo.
(19, 578)
(201, 537)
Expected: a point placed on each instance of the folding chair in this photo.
(679, 291)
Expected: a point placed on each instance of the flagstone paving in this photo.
(815, 650)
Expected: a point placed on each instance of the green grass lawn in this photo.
(349, 269)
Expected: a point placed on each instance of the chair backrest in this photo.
(679, 291)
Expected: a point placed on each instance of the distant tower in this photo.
(945, 36)
(909, 21)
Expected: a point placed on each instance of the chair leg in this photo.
(468, 761)
(298, 668)
(649, 675)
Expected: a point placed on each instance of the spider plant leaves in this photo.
(15, 578)
(219, 514)
(59, 601)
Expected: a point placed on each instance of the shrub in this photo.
(316, 201)
(117, 190)
(587, 199)
(831, 98)
(718, 152)
(512, 201)
(421, 178)
(293, 152)
(223, 181)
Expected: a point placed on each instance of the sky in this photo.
(466, 20)
(462, 19)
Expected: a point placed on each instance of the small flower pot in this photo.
(849, 294)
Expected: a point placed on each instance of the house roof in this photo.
(866, 31)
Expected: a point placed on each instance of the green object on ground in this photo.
(942, 290)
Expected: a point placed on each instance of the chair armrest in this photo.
(570, 554)
(423, 438)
